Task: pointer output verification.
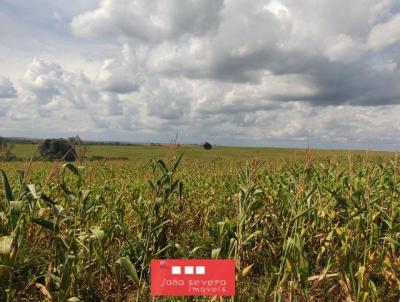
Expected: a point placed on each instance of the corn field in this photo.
(317, 229)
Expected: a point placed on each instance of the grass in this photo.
(139, 152)
(302, 225)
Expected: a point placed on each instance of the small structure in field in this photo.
(207, 146)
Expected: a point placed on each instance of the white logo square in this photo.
(189, 270)
(176, 270)
(200, 270)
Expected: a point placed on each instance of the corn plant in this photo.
(300, 229)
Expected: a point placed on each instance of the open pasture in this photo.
(148, 152)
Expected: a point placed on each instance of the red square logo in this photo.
(194, 277)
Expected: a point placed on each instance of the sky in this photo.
(288, 73)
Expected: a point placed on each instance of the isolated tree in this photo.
(58, 149)
(6, 151)
(207, 146)
(79, 146)
(3, 144)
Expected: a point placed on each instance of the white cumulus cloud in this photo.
(149, 20)
(385, 34)
(7, 89)
(229, 71)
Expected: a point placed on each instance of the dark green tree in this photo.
(58, 149)
(207, 146)
(6, 150)
(3, 144)
(79, 146)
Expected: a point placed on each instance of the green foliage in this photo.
(58, 149)
(324, 229)
(6, 153)
(207, 146)
(195, 152)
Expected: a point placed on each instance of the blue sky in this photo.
(234, 72)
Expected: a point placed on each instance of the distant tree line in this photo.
(61, 149)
